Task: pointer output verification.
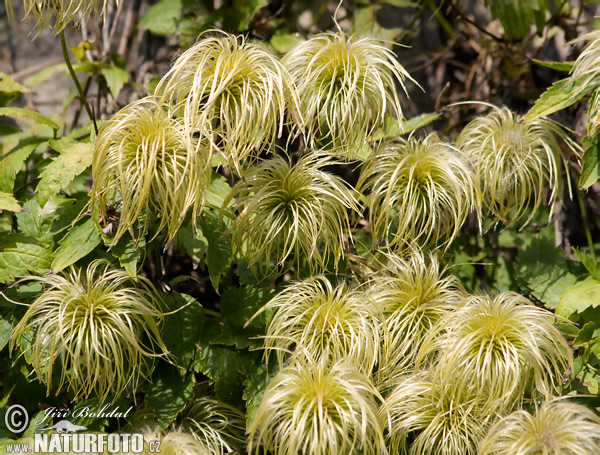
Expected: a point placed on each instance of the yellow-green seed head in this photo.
(292, 212)
(230, 91)
(345, 86)
(557, 427)
(143, 167)
(421, 191)
(318, 408)
(321, 318)
(498, 350)
(413, 295)
(93, 329)
(514, 161)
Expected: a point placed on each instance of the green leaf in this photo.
(560, 95)
(590, 170)
(36, 221)
(115, 78)
(21, 112)
(218, 191)
(589, 332)
(392, 128)
(591, 264)
(183, 327)
(129, 251)
(169, 393)
(255, 385)
(60, 172)
(164, 17)
(542, 269)
(5, 332)
(79, 241)
(238, 305)
(11, 163)
(193, 245)
(558, 66)
(516, 16)
(8, 202)
(579, 297)
(241, 12)
(9, 89)
(284, 42)
(21, 255)
(218, 257)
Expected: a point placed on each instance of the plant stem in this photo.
(584, 218)
(82, 96)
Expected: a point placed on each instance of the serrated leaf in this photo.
(185, 326)
(21, 112)
(589, 332)
(129, 251)
(558, 66)
(255, 386)
(542, 269)
(36, 221)
(115, 78)
(79, 241)
(169, 393)
(238, 305)
(11, 163)
(516, 17)
(590, 170)
(579, 297)
(218, 257)
(8, 202)
(560, 95)
(21, 255)
(60, 172)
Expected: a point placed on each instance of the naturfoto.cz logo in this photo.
(68, 439)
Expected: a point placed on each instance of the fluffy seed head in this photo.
(323, 319)
(231, 91)
(421, 191)
(413, 295)
(498, 349)
(588, 63)
(318, 408)
(345, 86)
(218, 426)
(93, 327)
(514, 160)
(57, 14)
(142, 166)
(556, 428)
(292, 211)
(434, 423)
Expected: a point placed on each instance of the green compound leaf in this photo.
(218, 258)
(238, 305)
(60, 172)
